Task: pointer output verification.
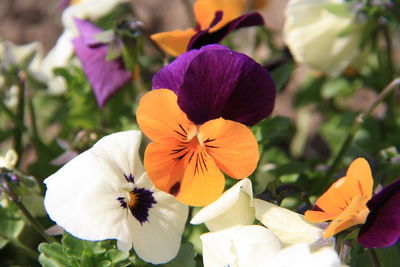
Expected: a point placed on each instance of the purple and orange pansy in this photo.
(197, 118)
(349, 202)
(215, 20)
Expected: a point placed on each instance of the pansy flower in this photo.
(348, 202)
(382, 227)
(104, 193)
(215, 81)
(257, 246)
(345, 202)
(215, 20)
(198, 123)
(105, 76)
(236, 207)
(60, 55)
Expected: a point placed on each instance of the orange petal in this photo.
(205, 10)
(185, 171)
(202, 182)
(159, 116)
(160, 162)
(232, 146)
(355, 213)
(174, 42)
(357, 182)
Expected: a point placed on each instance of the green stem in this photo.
(286, 189)
(356, 125)
(20, 114)
(29, 218)
(28, 251)
(374, 257)
(12, 116)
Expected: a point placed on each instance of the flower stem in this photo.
(29, 218)
(20, 113)
(28, 251)
(374, 257)
(356, 125)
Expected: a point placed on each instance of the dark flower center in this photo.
(140, 201)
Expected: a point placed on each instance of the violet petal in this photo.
(88, 32)
(171, 76)
(204, 37)
(224, 83)
(382, 227)
(105, 77)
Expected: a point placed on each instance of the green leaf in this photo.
(105, 36)
(274, 128)
(11, 223)
(281, 75)
(53, 255)
(185, 257)
(72, 245)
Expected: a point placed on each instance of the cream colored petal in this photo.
(234, 207)
(300, 256)
(312, 34)
(290, 227)
(240, 246)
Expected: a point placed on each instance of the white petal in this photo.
(240, 246)
(311, 32)
(82, 196)
(158, 240)
(234, 207)
(300, 256)
(59, 55)
(289, 226)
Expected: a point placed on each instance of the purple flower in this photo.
(215, 82)
(382, 227)
(105, 77)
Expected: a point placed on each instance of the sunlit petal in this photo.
(232, 145)
(234, 207)
(174, 42)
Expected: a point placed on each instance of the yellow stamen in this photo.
(133, 199)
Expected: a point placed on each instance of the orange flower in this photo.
(185, 159)
(211, 16)
(345, 201)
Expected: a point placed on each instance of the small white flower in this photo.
(312, 35)
(9, 160)
(256, 246)
(104, 193)
(234, 207)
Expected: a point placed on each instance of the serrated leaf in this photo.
(53, 255)
(73, 246)
(116, 255)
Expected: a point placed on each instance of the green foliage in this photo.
(11, 223)
(75, 252)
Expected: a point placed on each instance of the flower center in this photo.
(140, 201)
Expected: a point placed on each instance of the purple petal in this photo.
(171, 76)
(105, 77)
(88, 32)
(204, 37)
(382, 228)
(223, 83)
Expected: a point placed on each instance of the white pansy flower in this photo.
(256, 246)
(104, 193)
(9, 160)
(313, 35)
(61, 53)
(234, 207)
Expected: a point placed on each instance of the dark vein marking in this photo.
(209, 140)
(182, 129)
